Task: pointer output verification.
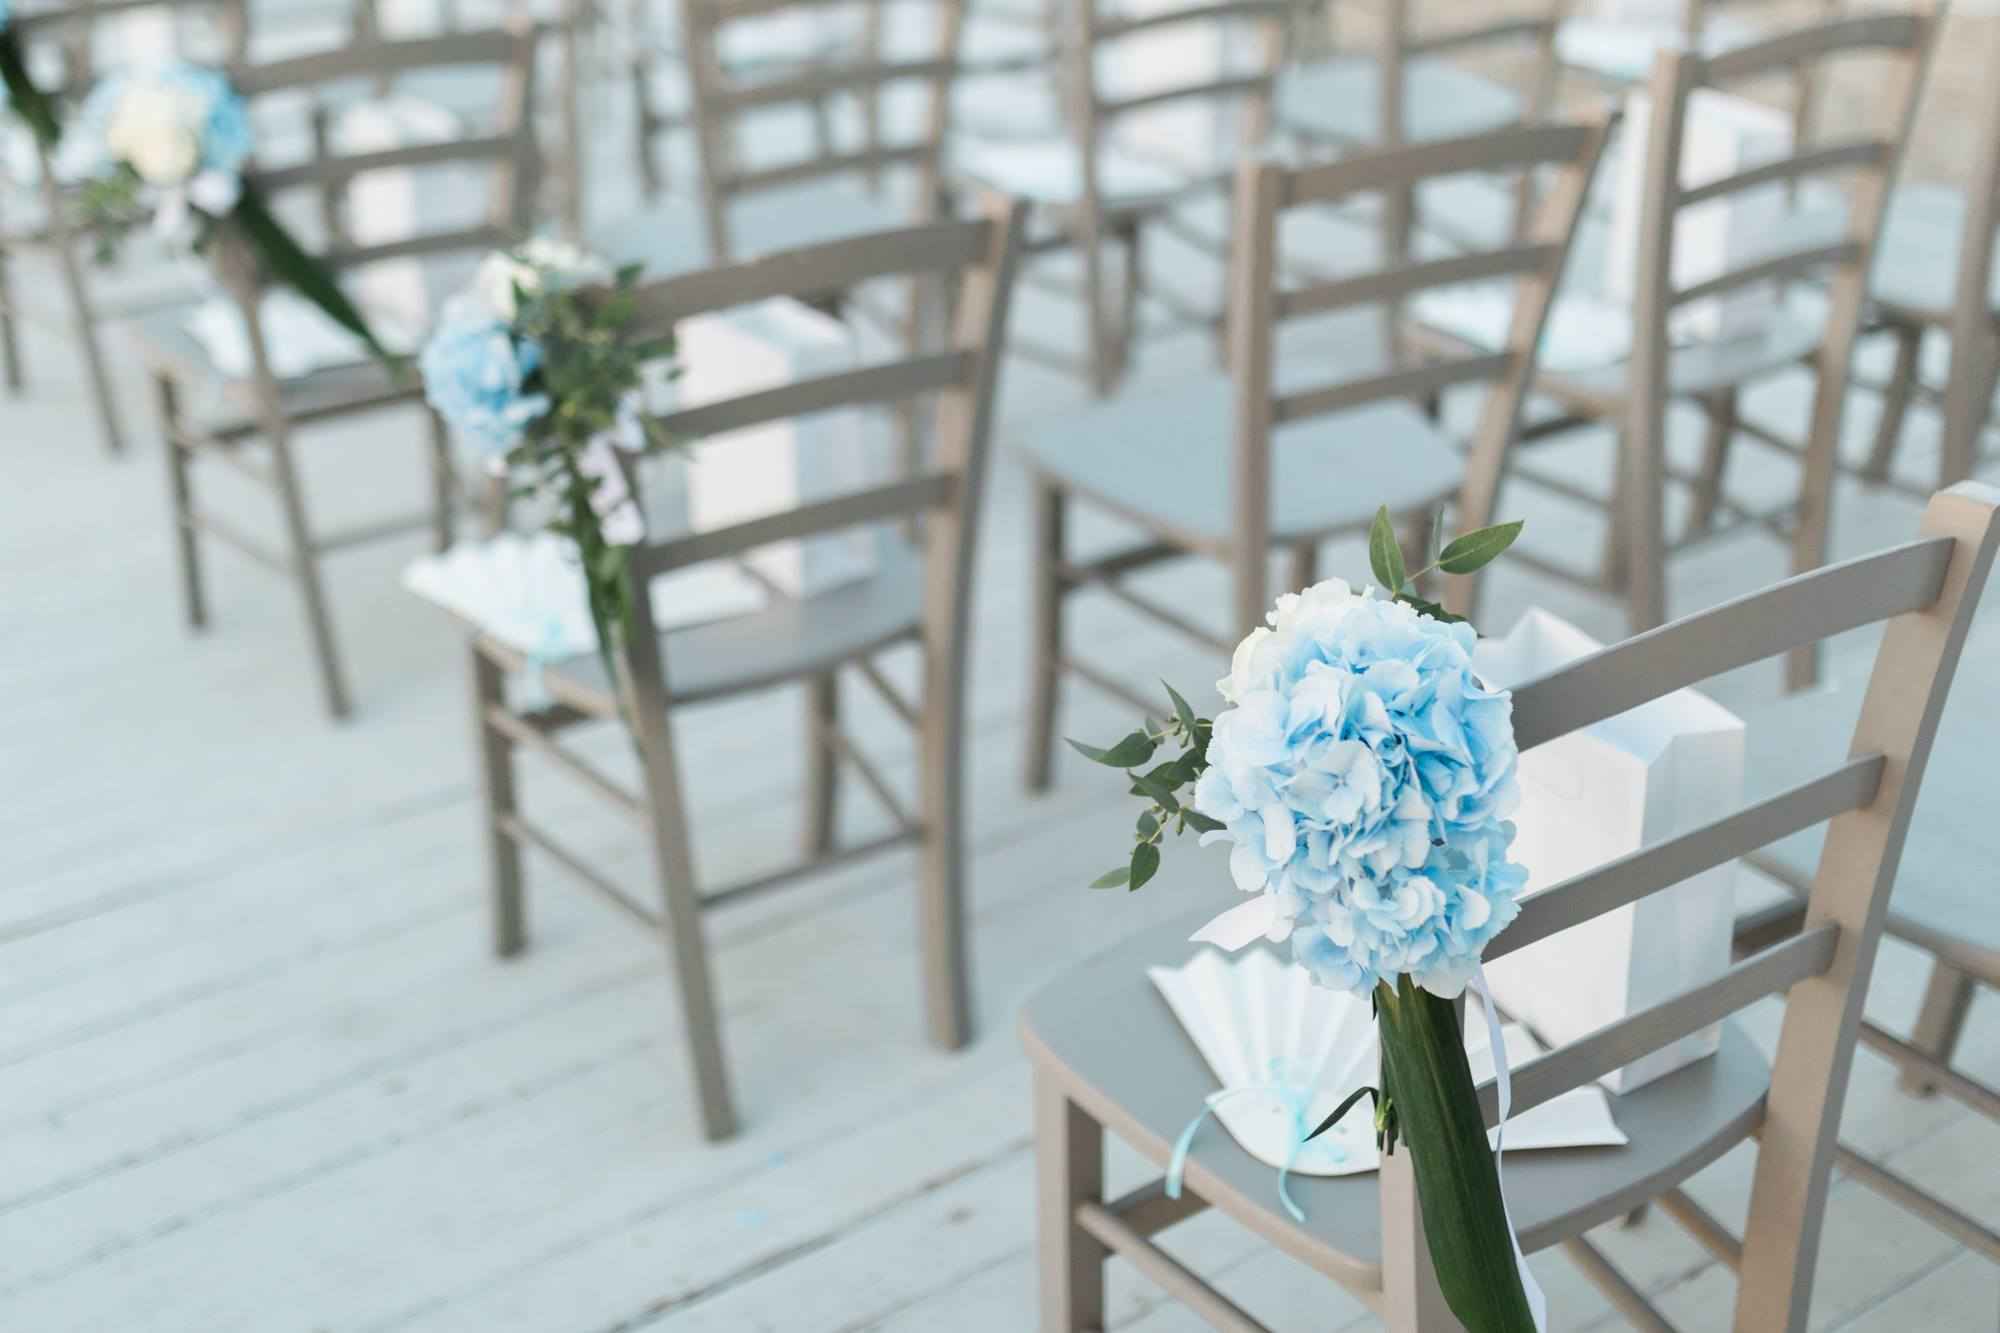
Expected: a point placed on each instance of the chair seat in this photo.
(1943, 898)
(1159, 454)
(1117, 1051)
(1340, 99)
(1048, 171)
(788, 639)
(1916, 260)
(222, 403)
(670, 236)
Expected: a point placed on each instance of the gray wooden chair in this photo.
(1094, 190)
(207, 413)
(1942, 906)
(1934, 273)
(47, 224)
(921, 594)
(830, 190)
(1227, 465)
(1834, 244)
(1108, 1055)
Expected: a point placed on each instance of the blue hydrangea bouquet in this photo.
(1362, 775)
(538, 373)
(23, 98)
(171, 141)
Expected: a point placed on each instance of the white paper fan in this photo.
(1288, 1052)
(527, 592)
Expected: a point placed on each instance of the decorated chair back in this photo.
(1924, 593)
(854, 76)
(82, 30)
(961, 379)
(1864, 165)
(313, 188)
(1264, 297)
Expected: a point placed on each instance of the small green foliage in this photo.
(1134, 750)
(1477, 549)
(1165, 787)
(1385, 553)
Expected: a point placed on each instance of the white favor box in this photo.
(781, 465)
(1590, 797)
(1724, 135)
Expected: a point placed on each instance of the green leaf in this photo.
(299, 270)
(1385, 556)
(29, 102)
(1200, 822)
(1432, 609)
(1158, 787)
(1145, 861)
(1477, 549)
(1112, 879)
(1182, 713)
(1341, 1110)
(1131, 752)
(1148, 825)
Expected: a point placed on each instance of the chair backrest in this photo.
(1867, 161)
(70, 26)
(1260, 304)
(725, 99)
(1926, 591)
(1093, 41)
(500, 153)
(981, 254)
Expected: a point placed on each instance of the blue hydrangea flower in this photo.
(1364, 775)
(476, 375)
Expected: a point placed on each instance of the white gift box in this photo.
(1724, 134)
(780, 465)
(1590, 797)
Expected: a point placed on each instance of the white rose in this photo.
(157, 130)
(500, 276)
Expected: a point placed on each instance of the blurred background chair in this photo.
(1109, 1056)
(1228, 464)
(921, 594)
(228, 413)
(67, 45)
(1833, 241)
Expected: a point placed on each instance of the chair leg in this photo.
(681, 931)
(1097, 339)
(1128, 316)
(1069, 1170)
(1968, 399)
(305, 566)
(1613, 564)
(1045, 670)
(1895, 401)
(496, 786)
(941, 884)
(822, 762)
(1721, 410)
(1939, 1024)
(180, 490)
(10, 340)
(444, 484)
(101, 392)
(1302, 566)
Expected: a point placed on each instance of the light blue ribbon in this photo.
(1296, 1100)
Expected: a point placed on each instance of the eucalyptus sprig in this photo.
(1166, 787)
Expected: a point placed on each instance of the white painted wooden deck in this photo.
(258, 1071)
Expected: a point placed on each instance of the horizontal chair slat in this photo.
(1650, 869)
(1801, 610)
(1403, 279)
(1612, 1047)
(1124, 26)
(812, 168)
(1833, 157)
(819, 83)
(847, 388)
(1162, 1268)
(1891, 31)
(815, 270)
(1234, 85)
(333, 170)
(1412, 383)
(494, 47)
(1778, 266)
(1499, 150)
(845, 511)
(32, 22)
(464, 240)
(728, 11)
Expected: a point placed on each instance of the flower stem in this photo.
(1436, 1109)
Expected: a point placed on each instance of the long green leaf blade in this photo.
(1477, 549)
